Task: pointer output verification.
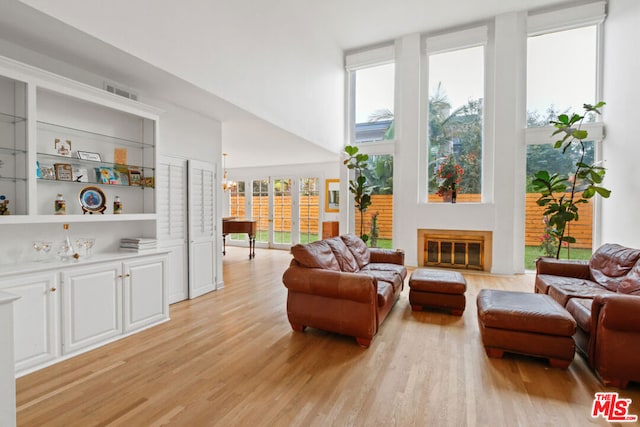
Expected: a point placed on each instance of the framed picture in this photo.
(147, 181)
(80, 175)
(332, 195)
(64, 172)
(63, 148)
(46, 172)
(120, 156)
(108, 176)
(135, 178)
(87, 155)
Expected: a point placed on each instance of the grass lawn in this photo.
(285, 237)
(531, 253)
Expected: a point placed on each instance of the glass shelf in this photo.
(93, 135)
(10, 118)
(59, 181)
(74, 161)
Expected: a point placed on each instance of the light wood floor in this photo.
(230, 358)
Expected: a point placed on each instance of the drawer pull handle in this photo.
(53, 289)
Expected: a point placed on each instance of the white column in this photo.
(509, 160)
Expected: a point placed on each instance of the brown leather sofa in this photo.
(341, 285)
(603, 296)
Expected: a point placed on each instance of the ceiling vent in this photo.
(121, 91)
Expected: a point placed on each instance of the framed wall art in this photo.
(332, 195)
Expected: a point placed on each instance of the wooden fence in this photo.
(383, 205)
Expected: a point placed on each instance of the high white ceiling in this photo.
(244, 61)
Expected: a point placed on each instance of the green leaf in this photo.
(580, 134)
(351, 150)
(603, 192)
(589, 193)
(563, 118)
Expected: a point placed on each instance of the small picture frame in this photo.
(147, 181)
(47, 172)
(107, 176)
(87, 155)
(64, 171)
(63, 148)
(135, 177)
(80, 175)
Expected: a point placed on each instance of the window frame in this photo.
(477, 35)
(358, 61)
(562, 20)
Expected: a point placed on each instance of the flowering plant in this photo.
(450, 174)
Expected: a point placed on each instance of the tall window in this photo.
(455, 124)
(260, 209)
(561, 73)
(282, 210)
(561, 77)
(309, 196)
(237, 206)
(373, 101)
(379, 215)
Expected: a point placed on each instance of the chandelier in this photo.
(226, 184)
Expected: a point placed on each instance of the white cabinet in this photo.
(35, 318)
(145, 296)
(91, 305)
(103, 301)
(64, 309)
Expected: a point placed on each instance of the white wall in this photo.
(621, 148)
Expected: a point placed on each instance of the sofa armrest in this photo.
(616, 312)
(563, 267)
(388, 256)
(331, 284)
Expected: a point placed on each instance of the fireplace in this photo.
(464, 249)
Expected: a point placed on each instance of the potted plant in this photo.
(359, 187)
(559, 193)
(449, 175)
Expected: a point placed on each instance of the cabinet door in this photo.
(91, 305)
(202, 238)
(145, 298)
(35, 319)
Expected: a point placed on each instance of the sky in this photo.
(561, 71)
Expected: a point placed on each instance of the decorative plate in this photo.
(92, 200)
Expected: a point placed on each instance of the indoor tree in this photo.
(359, 187)
(558, 193)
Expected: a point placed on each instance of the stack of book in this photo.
(138, 244)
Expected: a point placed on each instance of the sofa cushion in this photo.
(610, 264)
(358, 248)
(580, 309)
(383, 266)
(631, 283)
(561, 289)
(385, 293)
(388, 276)
(344, 256)
(315, 255)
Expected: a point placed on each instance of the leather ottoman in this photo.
(525, 323)
(437, 289)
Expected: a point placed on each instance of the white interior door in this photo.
(202, 230)
(171, 191)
